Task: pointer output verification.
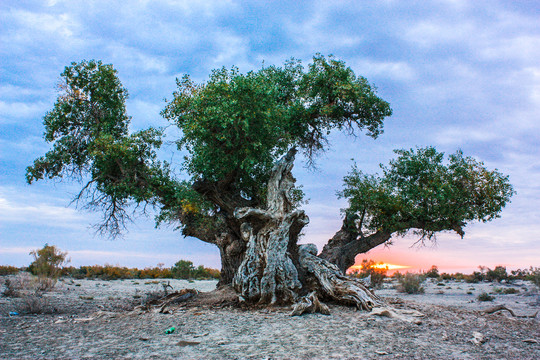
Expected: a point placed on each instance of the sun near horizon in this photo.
(381, 265)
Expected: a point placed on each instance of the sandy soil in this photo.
(92, 319)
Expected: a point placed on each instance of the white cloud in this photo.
(13, 111)
(230, 49)
(393, 70)
(458, 136)
(16, 250)
(16, 208)
(136, 59)
(431, 32)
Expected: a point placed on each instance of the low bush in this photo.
(498, 274)
(8, 270)
(19, 285)
(485, 297)
(35, 304)
(184, 269)
(511, 291)
(411, 284)
(534, 276)
(368, 268)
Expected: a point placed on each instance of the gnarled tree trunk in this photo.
(274, 269)
(343, 247)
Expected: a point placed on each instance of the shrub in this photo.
(475, 277)
(369, 268)
(110, 272)
(498, 274)
(459, 276)
(10, 290)
(19, 285)
(445, 276)
(184, 269)
(485, 297)
(511, 291)
(8, 270)
(35, 304)
(433, 272)
(534, 276)
(411, 284)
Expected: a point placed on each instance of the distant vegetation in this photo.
(49, 264)
(110, 272)
(498, 274)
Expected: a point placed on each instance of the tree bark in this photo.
(232, 250)
(268, 273)
(275, 270)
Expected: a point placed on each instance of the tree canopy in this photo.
(233, 128)
(417, 192)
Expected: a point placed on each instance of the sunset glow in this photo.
(379, 266)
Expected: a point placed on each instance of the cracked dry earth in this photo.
(93, 321)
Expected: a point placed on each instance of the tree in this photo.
(47, 265)
(240, 134)
(183, 269)
(418, 192)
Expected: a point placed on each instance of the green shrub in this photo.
(411, 284)
(397, 275)
(475, 277)
(511, 291)
(485, 297)
(445, 276)
(183, 269)
(534, 276)
(498, 274)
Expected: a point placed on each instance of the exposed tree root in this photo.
(494, 309)
(310, 304)
(160, 305)
(331, 283)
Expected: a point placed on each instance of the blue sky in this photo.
(458, 74)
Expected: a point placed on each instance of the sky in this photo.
(458, 75)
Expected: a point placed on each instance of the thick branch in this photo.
(348, 242)
(342, 249)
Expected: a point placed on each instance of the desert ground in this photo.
(96, 319)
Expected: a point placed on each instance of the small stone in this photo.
(478, 338)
